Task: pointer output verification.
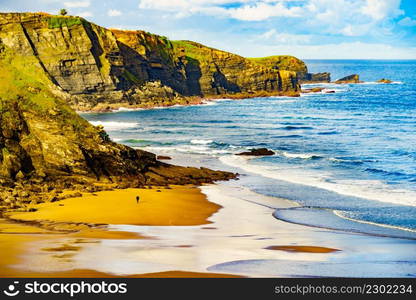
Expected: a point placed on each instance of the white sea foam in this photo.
(217, 100)
(298, 155)
(113, 125)
(375, 82)
(341, 215)
(192, 149)
(281, 101)
(201, 142)
(121, 109)
(367, 189)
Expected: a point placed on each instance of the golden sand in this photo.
(177, 206)
(81, 273)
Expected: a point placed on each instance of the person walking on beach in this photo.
(137, 199)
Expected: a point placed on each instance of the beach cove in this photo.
(224, 230)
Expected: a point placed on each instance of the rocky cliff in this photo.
(46, 147)
(92, 66)
(291, 63)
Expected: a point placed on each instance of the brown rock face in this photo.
(90, 65)
(46, 147)
(290, 63)
(315, 77)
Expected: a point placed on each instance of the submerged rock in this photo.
(257, 152)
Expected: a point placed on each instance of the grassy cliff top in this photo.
(281, 62)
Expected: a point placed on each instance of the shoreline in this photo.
(183, 101)
(159, 206)
(205, 100)
(242, 232)
(176, 206)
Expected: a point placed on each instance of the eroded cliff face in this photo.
(90, 65)
(45, 146)
(291, 63)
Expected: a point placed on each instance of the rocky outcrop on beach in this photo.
(92, 66)
(257, 152)
(291, 63)
(354, 78)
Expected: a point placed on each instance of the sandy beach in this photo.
(83, 220)
(224, 231)
(178, 206)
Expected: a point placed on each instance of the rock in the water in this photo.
(258, 152)
(354, 78)
(163, 157)
(313, 90)
(383, 80)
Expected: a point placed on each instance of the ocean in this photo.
(347, 158)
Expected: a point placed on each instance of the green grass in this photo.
(23, 81)
(59, 22)
(194, 54)
(283, 62)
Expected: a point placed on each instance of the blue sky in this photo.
(372, 29)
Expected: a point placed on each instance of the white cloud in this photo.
(408, 22)
(355, 50)
(346, 17)
(380, 9)
(75, 4)
(263, 11)
(114, 13)
(247, 10)
(350, 17)
(85, 14)
(273, 36)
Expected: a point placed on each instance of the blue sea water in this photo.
(352, 152)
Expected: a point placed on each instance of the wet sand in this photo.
(236, 243)
(177, 206)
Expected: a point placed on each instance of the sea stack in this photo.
(354, 78)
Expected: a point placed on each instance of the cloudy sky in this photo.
(373, 29)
